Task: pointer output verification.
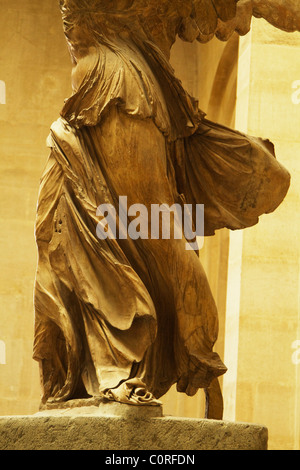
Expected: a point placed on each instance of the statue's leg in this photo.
(134, 154)
(214, 401)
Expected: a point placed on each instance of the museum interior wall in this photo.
(250, 83)
(35, 67)
(267, 387)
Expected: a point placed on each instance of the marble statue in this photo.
(120, 318)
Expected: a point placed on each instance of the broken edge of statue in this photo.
(124, 318)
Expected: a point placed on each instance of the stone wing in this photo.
(283, 14)
(191, 20)
(222, 18)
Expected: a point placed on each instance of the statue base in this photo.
(93, 425)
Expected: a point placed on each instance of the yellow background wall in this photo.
(267, 387)
(35, 67)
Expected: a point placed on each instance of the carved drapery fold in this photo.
(115, 311)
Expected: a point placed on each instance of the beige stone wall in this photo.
(264, 329)
(35, 67)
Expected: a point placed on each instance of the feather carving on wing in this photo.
(161, 21)
(222, 18)
(158, 20)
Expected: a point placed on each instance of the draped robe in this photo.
(107, 311)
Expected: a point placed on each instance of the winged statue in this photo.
(119, 318)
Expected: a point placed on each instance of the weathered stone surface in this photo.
(95, 432)
(99, 407)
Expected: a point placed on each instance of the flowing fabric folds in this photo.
(108, 311)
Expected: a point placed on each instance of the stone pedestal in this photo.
(121, 427)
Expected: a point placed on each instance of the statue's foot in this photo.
(131, 392)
